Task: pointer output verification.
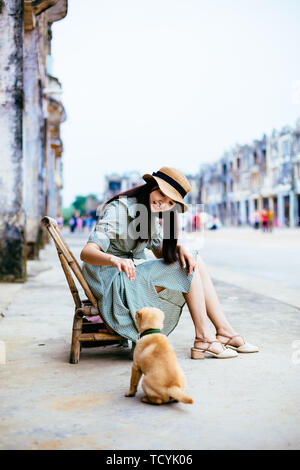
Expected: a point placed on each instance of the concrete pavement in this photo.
(265, 263)
(251, 402)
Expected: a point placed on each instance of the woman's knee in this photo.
(200, 265)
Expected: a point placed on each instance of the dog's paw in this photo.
(130, 394)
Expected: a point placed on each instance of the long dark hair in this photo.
(142, 194)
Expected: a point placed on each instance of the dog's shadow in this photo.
(174, 405)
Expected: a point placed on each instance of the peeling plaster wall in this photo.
(32, 135)
(12, 218)
(30, 117)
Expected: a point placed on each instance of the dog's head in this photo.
(149, 317)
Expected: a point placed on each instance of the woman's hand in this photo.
(187, 260)
(124, 264)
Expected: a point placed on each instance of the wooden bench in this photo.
(84, 333)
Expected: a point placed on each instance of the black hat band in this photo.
(171, 181)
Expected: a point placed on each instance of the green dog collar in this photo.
(149, 332)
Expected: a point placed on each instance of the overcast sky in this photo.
(149, 83)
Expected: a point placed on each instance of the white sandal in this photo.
(245, 348)
(197, 353)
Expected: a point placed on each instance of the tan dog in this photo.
(164, 380)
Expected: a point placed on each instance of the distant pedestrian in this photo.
(189, 222)
(186, 222)
(84, 222)
(73, 223)
(256, 219)
(214, 223)
(90, 222)
(60, 222)
(183, 220)
(270, 220)
(196, 221)
(264, 220)
(79, 224)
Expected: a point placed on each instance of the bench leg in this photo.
(75, 346)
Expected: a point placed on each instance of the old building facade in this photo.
(30, 117)
(263, 174)
(116, 183)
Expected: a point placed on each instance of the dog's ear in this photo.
(138, 314)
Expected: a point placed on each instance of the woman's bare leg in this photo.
(204, 305)
(214, 309)
(195, 300)
(196, 303)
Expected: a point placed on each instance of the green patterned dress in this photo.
(118, 297)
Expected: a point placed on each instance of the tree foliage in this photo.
(79, 204)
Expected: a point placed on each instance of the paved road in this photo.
(251, 402)
(267, 263)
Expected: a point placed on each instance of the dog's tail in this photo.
(178, 394)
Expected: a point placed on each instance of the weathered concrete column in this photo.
(243, 216)
(297, 209)
(280, 209)
(33, 122)
(51, 188)
(292, 208)
(271, 203)
(260, 204)
(251, 210)
(12, 218)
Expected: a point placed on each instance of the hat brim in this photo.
(168, 190)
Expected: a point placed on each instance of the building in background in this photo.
(262, 175)
(193, 197)
(30, 117)
(116, 183)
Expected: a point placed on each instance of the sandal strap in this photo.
(204, 340)
(230, 338)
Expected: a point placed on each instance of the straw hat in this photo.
(172, 182)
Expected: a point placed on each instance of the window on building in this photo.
(245, 161)
(254, 181)
(114, 186)
(274, 176)
(285, 147)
